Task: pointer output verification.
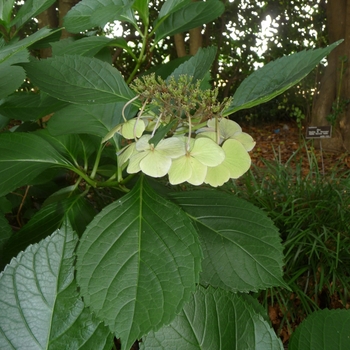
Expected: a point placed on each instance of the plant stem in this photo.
(141, 56)
(97, 162)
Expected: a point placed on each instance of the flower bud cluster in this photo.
(180, 132)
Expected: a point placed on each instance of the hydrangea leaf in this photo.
(324, 329)
(138, 263)
(238, 326)
(242, 248)
(39, 300)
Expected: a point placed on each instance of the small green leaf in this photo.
(79, 79)
(30, 9)
(138, 262)
(161, 132)
(242, 248)
(324, 329)
(190, 16)
(23, 157)
(215, 319)
(198, 65)
(39, 300)
(276, 77)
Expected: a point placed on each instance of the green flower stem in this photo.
(84, 176)
(97, 162)
(141, 56)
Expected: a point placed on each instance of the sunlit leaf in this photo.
(40, 304)
(138, 263)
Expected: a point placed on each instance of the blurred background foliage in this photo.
(249, 34)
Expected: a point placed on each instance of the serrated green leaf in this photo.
(215, 319)
(88, 46)
(83, 15)
(324, 329)
(16, 47)
(39, 302)
(30, 9)
(242, 248)
(79, 79)
(138, 262)
(47, 220)
(11, 78)
(95, 120)
(198, 65)
(276, 77)
(23, 157)
(190, 16)
(171, 6)
(28, 106)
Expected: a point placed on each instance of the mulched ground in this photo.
(280, 141)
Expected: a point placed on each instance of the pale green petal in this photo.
(142, 143)
(133, 128)
(246, 140)
(237, 159)
(211, 123)
(173, 147)
(207, 152)
(209, 134)
(125, 154)
(199, 172)
(228, 128)
(155, 164)
(134, 162)
(217, 176)
(180, 170)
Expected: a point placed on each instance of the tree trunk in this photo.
(48, 18)
(335, 83)
(195, 42)
(63, 7)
